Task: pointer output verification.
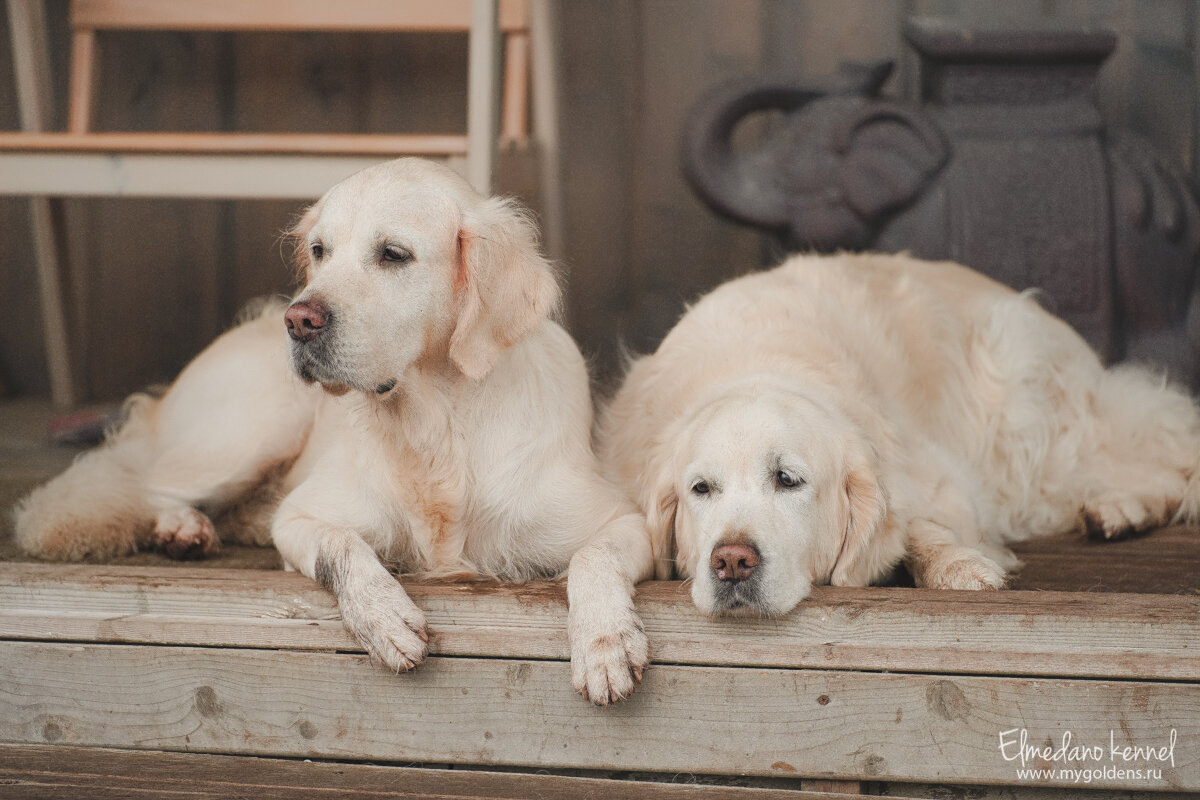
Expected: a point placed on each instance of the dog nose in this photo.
(734, 562)
(306, 321)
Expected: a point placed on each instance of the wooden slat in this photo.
(1011, 633)
(1166, 561)
(482, 102)
(250, 143)
(29, 771)
(819, 724)
(27, 27)
(215, 175)
(514, 127)
(290, 15)
(84, 68)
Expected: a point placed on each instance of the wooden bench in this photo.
(858, 689)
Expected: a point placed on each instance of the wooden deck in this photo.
(147, 679)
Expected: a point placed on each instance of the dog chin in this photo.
(312, 371)
(744, 603)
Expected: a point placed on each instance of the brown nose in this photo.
(734, 562)
(306, 321)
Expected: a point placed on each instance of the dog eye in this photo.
(318, 250)
(700, 487)
(396, 255)
(786, 480)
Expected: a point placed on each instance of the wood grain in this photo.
(813, 723)
(290, 15)
(1010, 633)
(256, 143)
(29, 772)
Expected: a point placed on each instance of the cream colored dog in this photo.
(452, 436)
(822, 421)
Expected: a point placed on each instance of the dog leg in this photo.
(937, 560)
(98, 507)
(185, 534)
(374, 606)
(1141, 472)
(609, 649)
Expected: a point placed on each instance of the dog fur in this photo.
(438, 420)
(840, 413)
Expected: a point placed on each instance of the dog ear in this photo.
(298, 235)
(863, 508)
(661, 502)
(506, 287)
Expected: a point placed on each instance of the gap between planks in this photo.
(1053, 634)
(812, 723)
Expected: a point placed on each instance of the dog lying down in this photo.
(819, 422)
(451, 438)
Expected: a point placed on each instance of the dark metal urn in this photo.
(1005, 166)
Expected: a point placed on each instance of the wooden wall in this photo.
(153, 280)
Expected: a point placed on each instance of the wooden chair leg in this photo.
(54, 318)
(83, 81)
(482, 107)
(27, 26)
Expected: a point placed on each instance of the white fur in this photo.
(933, 414)
(476, 461)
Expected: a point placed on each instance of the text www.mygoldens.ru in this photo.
(1083, 763)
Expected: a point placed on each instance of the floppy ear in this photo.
(506, 286)
(863, 507)
(661, 502)
(298, 234)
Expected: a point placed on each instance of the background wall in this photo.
(152, 281)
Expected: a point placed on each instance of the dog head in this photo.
(766, 493)
(404, 264)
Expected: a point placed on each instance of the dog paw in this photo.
(1113, 516)
(387, 623)
(607, 661)
(185, 534)
(965, 572)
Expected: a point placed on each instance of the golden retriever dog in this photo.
(817, 423)
(433, 416)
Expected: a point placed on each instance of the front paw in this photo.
(185, 534)
(971, 572)
(387, 623)
(608, 657)
(1116, 515)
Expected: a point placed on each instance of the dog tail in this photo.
(99, 507)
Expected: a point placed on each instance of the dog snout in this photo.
(306, 320)
(734, 562)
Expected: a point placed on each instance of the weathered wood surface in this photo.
(299, 143)
(33, 772)
(815, 723)
(291, 15)
(1165, 561)
(1011, 633)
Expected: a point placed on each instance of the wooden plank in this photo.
(814, 723)
(29, 772)
(52, 302)
(545, 85)
(31, 67)
(910, 630)
(34, 98)
(290, 15)
(515, 104)
(1166, 561)
(482, 95)
(82, 89)
(250, 143)
(162, 175)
